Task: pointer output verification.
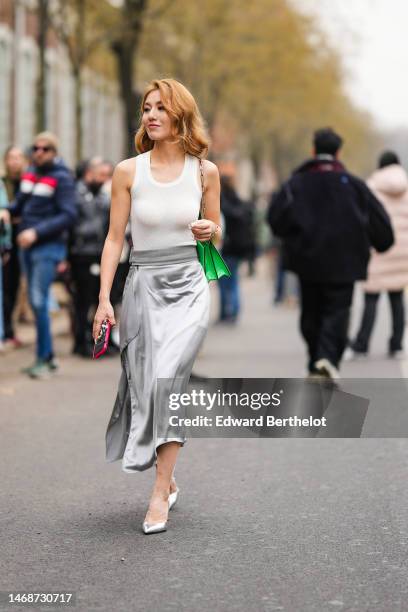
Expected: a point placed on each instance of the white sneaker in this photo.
(327, 369)
(351, 355)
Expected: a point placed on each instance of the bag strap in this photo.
(202, 203)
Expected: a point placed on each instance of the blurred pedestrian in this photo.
(286, 285)
(80, 169)
(387, 271)
(279, 274)
(238, 244)
(15, 164)
(87, 238)
(106, 172)
(46, 206)
(5, 247)
(328, 219)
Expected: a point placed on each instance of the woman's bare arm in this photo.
(119, 216)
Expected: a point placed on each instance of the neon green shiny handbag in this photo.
(213, 264)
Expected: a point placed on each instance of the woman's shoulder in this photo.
(125, 165)
(210, 170)
(126, 169)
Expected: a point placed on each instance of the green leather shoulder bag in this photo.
(213, 264)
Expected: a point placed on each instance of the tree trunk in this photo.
(277, 157)
(125, 49)
(256, 160)
(78, 59)
(125, 54)
(41, 93)
(78, 112)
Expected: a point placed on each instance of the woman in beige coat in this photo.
(387, 271)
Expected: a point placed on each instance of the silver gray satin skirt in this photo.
(164, 319)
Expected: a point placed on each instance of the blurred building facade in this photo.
(102, 109)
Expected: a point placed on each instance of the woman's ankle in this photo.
(161, 491)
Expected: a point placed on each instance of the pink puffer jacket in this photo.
(389, 271)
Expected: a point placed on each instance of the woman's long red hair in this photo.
(184, 113)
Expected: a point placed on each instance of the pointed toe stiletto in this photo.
(154, 527)
(173, 498)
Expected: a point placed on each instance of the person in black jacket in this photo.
(238, 244)
(45, 205)
(328, 220)
(85, 248)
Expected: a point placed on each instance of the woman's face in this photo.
(15, 162)
(155, 119)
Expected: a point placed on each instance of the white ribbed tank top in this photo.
(161, 212)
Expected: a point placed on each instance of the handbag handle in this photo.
(202, 203)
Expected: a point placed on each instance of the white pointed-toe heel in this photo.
(155, 527)
(173, 498)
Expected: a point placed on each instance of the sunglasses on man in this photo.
(45, 149)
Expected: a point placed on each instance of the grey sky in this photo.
(372, 36)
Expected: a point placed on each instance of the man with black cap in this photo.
(328, 220)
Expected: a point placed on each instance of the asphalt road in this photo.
(274, 524)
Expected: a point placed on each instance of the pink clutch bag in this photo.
(102, 341)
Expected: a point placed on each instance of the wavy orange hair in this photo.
(184, 113)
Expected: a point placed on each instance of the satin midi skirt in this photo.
(164, 319)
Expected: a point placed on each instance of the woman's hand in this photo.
(104, 311)
(203, 229)
(5, 215)
(26, 238)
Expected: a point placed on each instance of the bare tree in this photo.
(69, 20)
(84, 25)
(124, 46)
(41, 94)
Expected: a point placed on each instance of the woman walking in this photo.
(165, 309)
(387, 271)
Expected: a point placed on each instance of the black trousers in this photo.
(324, 321)
(85, 293)
(362, 341)
(11, 281)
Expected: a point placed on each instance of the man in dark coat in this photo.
(328, 220)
